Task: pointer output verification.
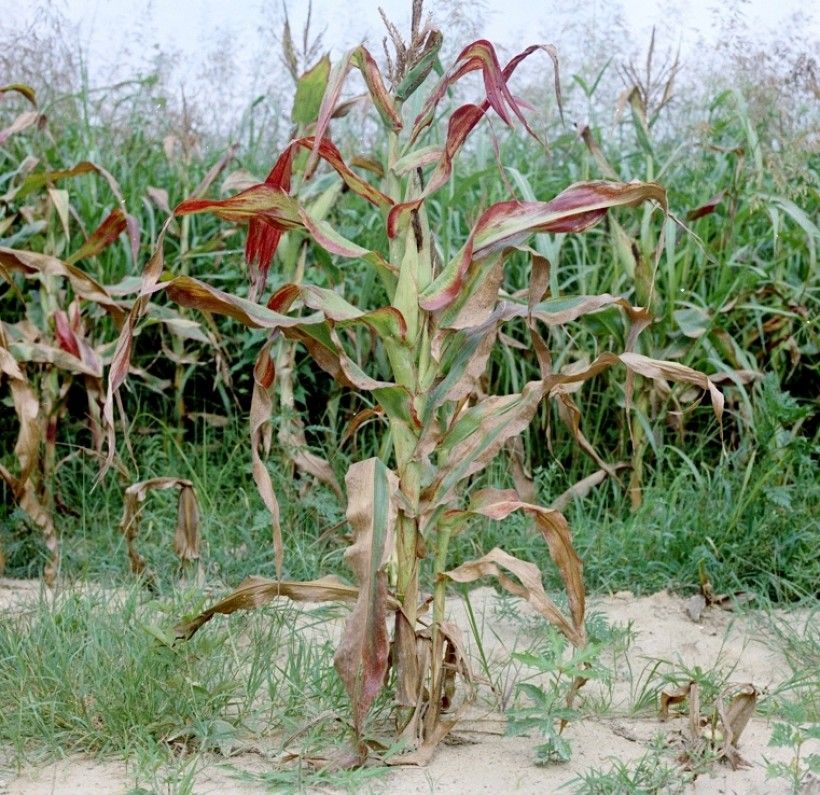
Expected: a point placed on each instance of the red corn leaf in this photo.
(190, 292)
(481, 55)
(269, 209)
(102, 237)
(264, 202)
(461, 124)
(705, 209)
(510, 223)
(65, 334)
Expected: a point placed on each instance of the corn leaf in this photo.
(527, 586)
(362, 656)
(510, 223)
(310, 89)
(102, 237)
(255, 592)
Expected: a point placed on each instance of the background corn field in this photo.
(737, 291)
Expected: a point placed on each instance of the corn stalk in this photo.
(436, 333)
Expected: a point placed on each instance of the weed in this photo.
(794, 733)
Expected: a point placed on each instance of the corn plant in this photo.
(51, 343)
(58, 322)
(434, 337)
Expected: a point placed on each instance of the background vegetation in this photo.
(736, 292)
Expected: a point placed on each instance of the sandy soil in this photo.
(478, 757)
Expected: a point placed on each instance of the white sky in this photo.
(185, 24)
(121, 35)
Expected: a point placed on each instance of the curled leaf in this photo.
(527, 586)
(186, 538)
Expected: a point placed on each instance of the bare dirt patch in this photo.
(657, 637)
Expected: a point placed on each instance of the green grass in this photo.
(95, 671)
(748, 518)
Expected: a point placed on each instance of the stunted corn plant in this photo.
(435, 337)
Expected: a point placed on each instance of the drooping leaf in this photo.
(20, 88)
(121, 359)
(706, 208)
(102, 237)
(186, 537)
(190, 292)
(36, 181)
(360, 58)
(270, 210)
(480, 431)
(363, 60)
(33, 265)
(528, 586)
(498, 504)
(257, 591)
(260, 414)
(43, 353)
(734, 719)
(362, 656)
(262, 202)
(25, 120)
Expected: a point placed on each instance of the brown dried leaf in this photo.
(362, 656)
(529, 587)
(186, 539)
(581, 488)
(160, 197)
(30, 434)
(264, 374)
(291, 430)
(670, 696)
(22, 122)
(734, 719)
(254, 592)
(215, 170)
